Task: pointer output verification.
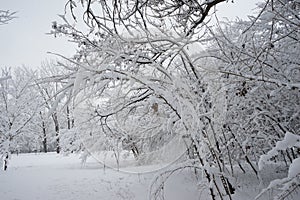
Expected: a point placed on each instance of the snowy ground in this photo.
(51, 176)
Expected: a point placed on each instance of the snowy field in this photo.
(51, 176)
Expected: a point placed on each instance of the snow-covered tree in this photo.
(260, 74)
(18, 108)
(140, 80)
(136, 80)
(55, 112)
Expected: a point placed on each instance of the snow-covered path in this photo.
(51, 176)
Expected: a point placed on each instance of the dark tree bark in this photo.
(44, 141)
(56, 126)
(70, 120)
(5, 164)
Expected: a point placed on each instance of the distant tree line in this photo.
(140, 80)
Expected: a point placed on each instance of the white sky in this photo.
(24, 41)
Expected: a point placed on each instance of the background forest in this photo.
(166, 82)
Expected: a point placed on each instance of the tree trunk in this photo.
(68, 118)
(44, 141)
(56, 125)
(5, 162)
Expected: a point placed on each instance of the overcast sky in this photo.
(24, 40)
